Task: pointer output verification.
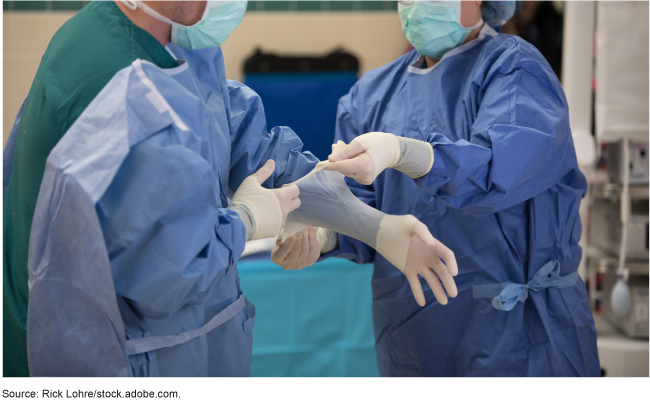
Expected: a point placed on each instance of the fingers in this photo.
(446, 271)
(443, 273)
(321, 163)
(280, 252)
(265, 171)
(349, 151)
(361, 168)
(298, 251)
(294, 250)
(447, 256)
(422, 232)
(416, 288)
(304, 246)
(435, 285)
(348, 165)
(338, 146)
(450, 284)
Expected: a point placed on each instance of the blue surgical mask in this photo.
(433, 27)
(219, 19)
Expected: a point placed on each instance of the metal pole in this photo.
(577, 76)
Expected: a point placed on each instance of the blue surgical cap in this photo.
(497, 12)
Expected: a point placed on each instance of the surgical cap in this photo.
(497, 12)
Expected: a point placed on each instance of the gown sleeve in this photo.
(252, 145)
(168, 240)
(520, 145)
(169, 243)
(346, 130)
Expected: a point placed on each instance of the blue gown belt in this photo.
(506, 295)
(143, 345)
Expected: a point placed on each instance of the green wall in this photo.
(253, 6)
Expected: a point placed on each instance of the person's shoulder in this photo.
(510, 52)
(509, 55)
(86, 52)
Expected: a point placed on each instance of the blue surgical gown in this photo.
(503, 194)
(132, 257)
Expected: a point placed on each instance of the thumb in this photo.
(422, 232)
(348, 152)
(265, 172)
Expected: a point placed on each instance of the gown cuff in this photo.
(246, 217)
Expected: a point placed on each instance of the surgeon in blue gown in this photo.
(502, 192)
(144, 209)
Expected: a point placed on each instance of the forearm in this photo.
(483, 180)
(415, 158)
(281, 145)
(252, 145)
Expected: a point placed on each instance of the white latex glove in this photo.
(369, 154)
(297, 252)
(407, 243)
(402, 240)
(264, 210)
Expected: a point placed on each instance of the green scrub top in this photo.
(84, 54)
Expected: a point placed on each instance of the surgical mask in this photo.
(219, 19)
(433, 27)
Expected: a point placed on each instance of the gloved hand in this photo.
(297, 252)
(369, 154)
(303, 249)
(264, 211)
(407, 243)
